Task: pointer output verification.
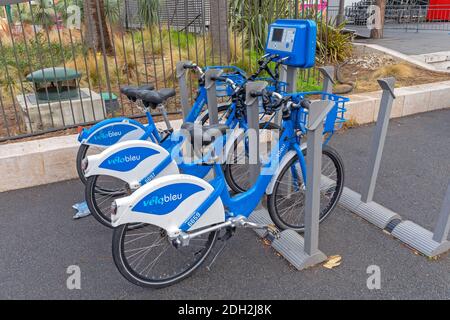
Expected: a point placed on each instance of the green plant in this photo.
(333, 45)
(148, 11)
(40, 12)
(251, 19)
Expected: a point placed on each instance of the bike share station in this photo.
(152, 172)
(303, 251)
(295, 42)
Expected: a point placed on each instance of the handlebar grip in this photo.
(255, 94)
(224, 79)
(190, 66)
(305, 104)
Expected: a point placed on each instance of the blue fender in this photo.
(111, 131)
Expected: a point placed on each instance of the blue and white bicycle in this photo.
(126, 166)
(166, 229)
(111, 131)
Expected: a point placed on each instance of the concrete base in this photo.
(363, 107)
(44, 161)
(290, 244)
(46, 115)
(420, 239)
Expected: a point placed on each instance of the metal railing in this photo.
(407, 16)
(146, 39)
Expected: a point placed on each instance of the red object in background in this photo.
(439, 10)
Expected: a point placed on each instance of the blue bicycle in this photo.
(104, 187)
(166, 229)
(111, 131)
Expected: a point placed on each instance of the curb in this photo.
(402, 56)
(363, 108)
(39, 162)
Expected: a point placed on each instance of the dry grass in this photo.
(399, 71)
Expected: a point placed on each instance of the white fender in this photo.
(112, 131)
(169, 202)
(130, 161)
(288, 156)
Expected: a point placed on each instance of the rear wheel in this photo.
(100, 192)
(286, 204)
(83, 151)
(146, 257)
(222, 114)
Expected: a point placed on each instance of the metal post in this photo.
(379, 138)
(443, 225)
(283, 77)
(252, 133)
(210, 86)
(182, 82)
(317, 113)
(291, 79)
(328, 78)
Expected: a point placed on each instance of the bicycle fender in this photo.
(289, 155)
(171, 203)
(108, 132)
(135, 162)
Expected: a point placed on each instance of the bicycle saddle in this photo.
(167, 93)
(132, 92)
(154, 98)
(204, 134)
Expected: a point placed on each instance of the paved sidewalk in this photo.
(411, 42)
(39, 240)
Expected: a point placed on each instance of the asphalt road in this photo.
(39, 239)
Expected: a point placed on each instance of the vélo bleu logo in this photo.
(127, 159)
(166, 199)
(111, 134)
(106, 135)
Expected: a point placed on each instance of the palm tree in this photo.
(96, 29)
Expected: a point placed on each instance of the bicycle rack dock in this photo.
(429, 243)
(301, 252)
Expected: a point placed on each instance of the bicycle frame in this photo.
(208, 205)
(245, 203)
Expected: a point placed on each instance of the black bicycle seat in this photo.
(132, 92)
(167, 93)
(150, 98)
(203, 134)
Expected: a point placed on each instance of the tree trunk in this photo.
(219, 30)
(96, 29)
(376, 33)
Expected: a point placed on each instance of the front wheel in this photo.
(237, 166)
(146, 257)
(286, 204)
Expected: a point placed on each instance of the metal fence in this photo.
(408, 17)
(146, 38)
